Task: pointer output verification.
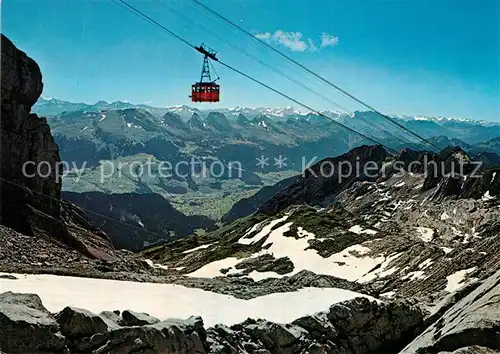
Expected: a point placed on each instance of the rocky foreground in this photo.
(356, 326)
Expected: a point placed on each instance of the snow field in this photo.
(173, 301)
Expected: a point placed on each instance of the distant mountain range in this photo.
(55, 107)
(124, 132)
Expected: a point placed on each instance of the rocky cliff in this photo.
(134, 220)
(30, 183)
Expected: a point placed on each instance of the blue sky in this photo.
(419, 57)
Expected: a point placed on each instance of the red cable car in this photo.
(206, 90)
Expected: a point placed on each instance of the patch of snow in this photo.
(425, 264)
(350, 264)
(396, 205)
(469, 236)
(426, 234)
(103, 116)
(155, 265)
(493, 177)
(456, 231)
(129, 125)
(388, 294)
(359, 230)
(487, 196)
(202, 247)
(447, 250)
(263, 233)
(399, 185)
(85, 128)
(258, 276)
(456, 279)
(444, 216)
(174, 301)
(212, 269)
(416, 275)
(381, 272)
(303, 233)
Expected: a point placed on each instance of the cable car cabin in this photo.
(205, 92)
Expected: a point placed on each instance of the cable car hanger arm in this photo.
(207, 52)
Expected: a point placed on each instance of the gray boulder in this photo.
(112, 319)
(27, 326)
(352, 327)
(131, 318)
(79, 323)
(167, 337)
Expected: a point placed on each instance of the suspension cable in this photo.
(246, 53)
(86, 210)
(328, 82)
(378, 126)
(149, 19)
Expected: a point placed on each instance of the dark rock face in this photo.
(266, 263)
(323, 181)
(24, 137)
(31, 199)
(247, 206)
(195, 122)
(218, 121)
(134, 214)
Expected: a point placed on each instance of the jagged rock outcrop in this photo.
(247, 206)
(321, 183)
(175, 121)
(25, 138)
(30, 182)
(242, 120)
(357, 326)
(195, 122)
(131, 318)
(218, 121)
(470, 326)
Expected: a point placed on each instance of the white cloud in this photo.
(291, 40)
(327, 40)
(296, 42)
(312, 46)
(263, 36)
